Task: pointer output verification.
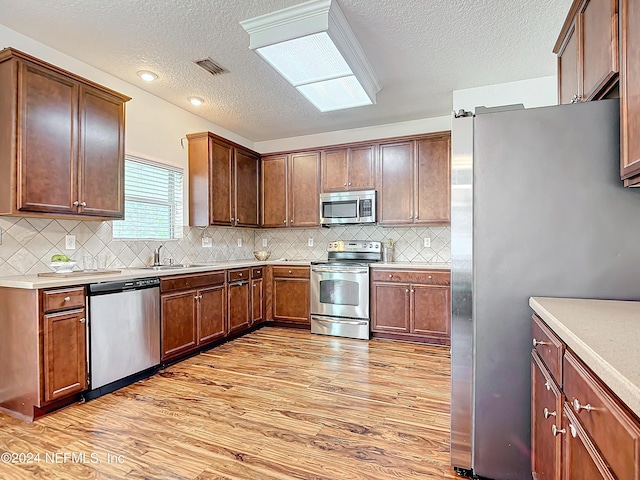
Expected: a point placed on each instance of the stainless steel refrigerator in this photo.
(537, 209)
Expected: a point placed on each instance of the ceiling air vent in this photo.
(212, 67)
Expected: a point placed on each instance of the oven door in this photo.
(340, 291)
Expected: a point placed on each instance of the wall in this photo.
(536, 92)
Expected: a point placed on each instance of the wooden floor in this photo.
(274, 404)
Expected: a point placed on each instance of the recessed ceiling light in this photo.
(197, 101)
(147, 76)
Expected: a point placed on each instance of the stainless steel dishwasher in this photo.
(124, 333)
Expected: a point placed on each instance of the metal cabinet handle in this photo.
(238, 219)
(548, 413)
(577, 407)
(83, 204)
(290, 271)
(83, 320)
(548, 385)
(67, 299)
(198, 297)
(390, 276)
(344, 185)
(285, 221)
(76, 203)
(430, 277)
(539, 342)
(240, 274)
(291, 221)
(258, 272)
(574, 431)
(349, 183)
(407, 290)
(555, 430)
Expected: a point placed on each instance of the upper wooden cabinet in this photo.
(223, 182)
(290, 190)
(348, 168)
(630, 91)
(73, 170)
(588, 51)
(414, 181)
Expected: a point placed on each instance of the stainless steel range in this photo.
(340, 289)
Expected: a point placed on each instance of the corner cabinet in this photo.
(223, 182)
(414, 181)
(73, 170)
(290, 190)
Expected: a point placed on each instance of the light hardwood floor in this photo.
(274, 404)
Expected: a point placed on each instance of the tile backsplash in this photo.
(28, 244)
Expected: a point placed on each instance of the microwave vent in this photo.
(212, 67)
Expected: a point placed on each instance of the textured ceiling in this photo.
(421, 50)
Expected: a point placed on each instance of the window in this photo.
(152, 201)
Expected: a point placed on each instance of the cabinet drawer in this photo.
(185, 282)
(427, 277)
(615, 433)
(257, 272)
(294, 272)
(66, 299)
(549, 347)
(237, 274)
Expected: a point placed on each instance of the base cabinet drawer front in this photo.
(549, 347)
(291, 272)
(212, 312)
(65, 354)
(615, 433)
(546, 412)
(191, 281)
(581, 460)
(408, 276)
(63, 299)
(238, 275)
(178, 322)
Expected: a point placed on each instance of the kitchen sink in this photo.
(175, 266)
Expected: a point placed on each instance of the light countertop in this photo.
(604, 334)
(34, 281)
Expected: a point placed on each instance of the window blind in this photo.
(153, 201)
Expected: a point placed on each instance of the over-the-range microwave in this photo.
(343, 208)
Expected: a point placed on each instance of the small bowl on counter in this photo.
(63, 267)
(262, 255)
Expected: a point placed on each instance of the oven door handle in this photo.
(335, 320)
(359, 271)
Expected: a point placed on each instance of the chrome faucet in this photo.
(156, 256)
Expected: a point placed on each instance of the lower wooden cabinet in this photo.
(291, 294)
(192, 311)
(411, 305)
(257, 295)
(239, 300)
(64, 351)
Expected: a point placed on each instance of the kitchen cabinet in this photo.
(414, 181)
(291, 190)
(223, 182)
(192, 312)
(239, 302)
(85, 150)
(411, 305)
(630, 92)
(257, 295)
(64, 343)
(291, 295)
(587, 51)
(348, 168)
(599, 436)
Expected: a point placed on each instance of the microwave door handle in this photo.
(358, 212)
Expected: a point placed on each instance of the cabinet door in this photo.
(47, 168)
(395, 183)
(65, 354)
(390, 308)
(247, 189)
(274, 191)
(256, 301)
(361, 162)
(546, 411)
(304, 190)
(212, 312)
(431, 310)
(179, 323)
(334, 170)
(599, 35)
(568, 85)
(581, 460)
(630, 87)
(433, 180)
(291, 300)
(101, 159)
(239, 314)
(220, 183)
